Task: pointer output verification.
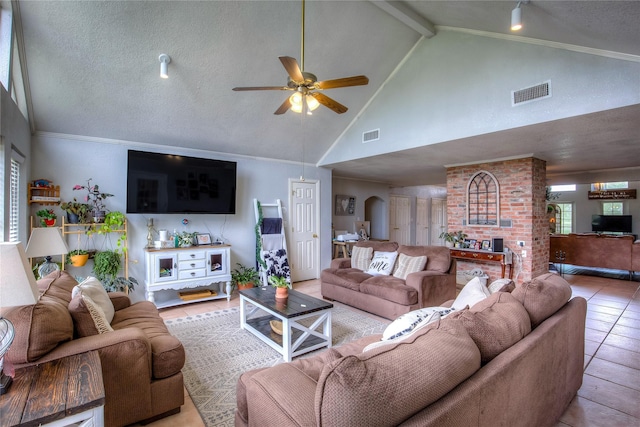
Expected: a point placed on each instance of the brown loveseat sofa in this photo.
(511, 360)
(141, 361)
(389, 296)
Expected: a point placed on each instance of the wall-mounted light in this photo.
(516, 16)
(164, 65)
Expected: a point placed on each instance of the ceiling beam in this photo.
(411, 19)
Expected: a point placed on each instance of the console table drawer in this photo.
(190, 265)
(191, 255)
(192, 274)
(484, 256)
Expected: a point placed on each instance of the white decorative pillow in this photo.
(409, 321)
(382, 263)
(97, 315)
(412, 329)
(409, 264)
(92, 288)
(474, 291)
(361, 257)
(501, 285)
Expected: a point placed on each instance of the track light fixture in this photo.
(516, 16)
(164, 65)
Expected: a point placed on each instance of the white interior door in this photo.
(399, 219)
(438, 220)
(422, 222)
(304, 251)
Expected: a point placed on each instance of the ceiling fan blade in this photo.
(261, 88)
(291, 65)
(329, 103)
(344, 82)
(284, 107)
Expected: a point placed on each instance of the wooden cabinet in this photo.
(44, 195)
(169, 271)
(504, 258)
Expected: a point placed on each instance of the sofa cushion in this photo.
(494, 324)
(385, 386)
(345, 277)
(382, 263)
(390, 288)
(361, 257)
(40, 327)
(92, 288)
(472, 293)
(378, 246)
(408, 264)
(543, 296)
(167, 351)
(438, 257)
(88, 317)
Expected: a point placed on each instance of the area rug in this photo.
(218, 351)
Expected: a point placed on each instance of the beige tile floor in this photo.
(610, 393)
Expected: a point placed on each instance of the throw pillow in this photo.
(92, 288)
(473, 292)
(97, 315)
(409, 321)
(411, 330)
(501, 285)
(361, 257)
(409, 264)
(382, 263)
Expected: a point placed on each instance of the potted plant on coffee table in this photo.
(47, 217)
(281, 283)
(244, 277)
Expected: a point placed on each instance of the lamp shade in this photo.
(46, 241)
(17, 283)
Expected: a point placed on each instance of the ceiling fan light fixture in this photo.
(312, 103)
(296, 102)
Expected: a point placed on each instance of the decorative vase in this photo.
(282, 293)
(72, 218)
(79, 260)
(243, 286)
(281, 303)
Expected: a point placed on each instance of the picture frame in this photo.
(203, 239)
(345, 205)
(486, 245)
(472, 244)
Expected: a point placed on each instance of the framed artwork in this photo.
(486, 245)
(203, 238)
(472, 244)
(345, 205)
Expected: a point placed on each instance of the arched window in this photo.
(483, 200)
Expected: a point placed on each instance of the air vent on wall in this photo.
(529, 94)
(372, 135)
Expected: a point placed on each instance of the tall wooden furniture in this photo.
(503, 258)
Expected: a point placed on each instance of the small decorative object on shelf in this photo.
(47, 217)
(43, 192)
(95, 198)
(281, 284)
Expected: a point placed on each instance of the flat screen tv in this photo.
(170, 184)
(611, 223)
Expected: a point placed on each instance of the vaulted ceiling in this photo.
(93, 70)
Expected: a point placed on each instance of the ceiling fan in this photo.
(306, 86)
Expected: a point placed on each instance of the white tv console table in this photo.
(174, 269)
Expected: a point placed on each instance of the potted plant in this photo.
(281, 284)
(453, 238)
(106, 265)
(185, 239)
(95, 198)
(77, 257)
(113, 221)
(244, 277)
(76, 211)
(47, 217)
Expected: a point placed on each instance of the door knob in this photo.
(315, 236)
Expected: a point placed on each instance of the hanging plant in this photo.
(113, 222)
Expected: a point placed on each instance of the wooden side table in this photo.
(58, 393)
(502, 258)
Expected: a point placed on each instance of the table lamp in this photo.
(17, 287)
(45, 242)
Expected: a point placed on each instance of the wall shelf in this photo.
(44, 195)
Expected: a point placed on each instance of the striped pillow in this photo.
(361, 257)
(409, 264)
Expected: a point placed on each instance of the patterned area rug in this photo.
(218, 351)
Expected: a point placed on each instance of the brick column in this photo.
(522, 184)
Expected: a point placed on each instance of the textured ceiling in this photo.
(93, 70)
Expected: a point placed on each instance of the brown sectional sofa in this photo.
(388, 296)
(511, 360)
(596, 250)
(141, 362)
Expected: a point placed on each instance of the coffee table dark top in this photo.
(297, 304)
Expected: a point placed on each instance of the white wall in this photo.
(69, 161)
(584, 207)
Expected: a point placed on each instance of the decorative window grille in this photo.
(564, 218)
(483, 200)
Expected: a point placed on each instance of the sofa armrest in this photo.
(341, 263)
(434, 288)
(271, 401)
(119, 300)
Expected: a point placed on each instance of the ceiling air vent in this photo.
(372, 135)
(529, 94)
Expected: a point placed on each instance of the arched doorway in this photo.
(375, 211)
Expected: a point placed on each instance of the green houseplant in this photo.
(106, 265)
(95, 198)
(47, 217)
(453, 238)
(244, 277)
(185, 239)
(77, 257)
(281, 284)
(113, 222)
(76, 211)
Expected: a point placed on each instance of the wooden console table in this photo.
(485, 256)
(63, 392)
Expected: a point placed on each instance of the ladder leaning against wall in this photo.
(271, 242)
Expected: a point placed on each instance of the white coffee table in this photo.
(258, 306)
